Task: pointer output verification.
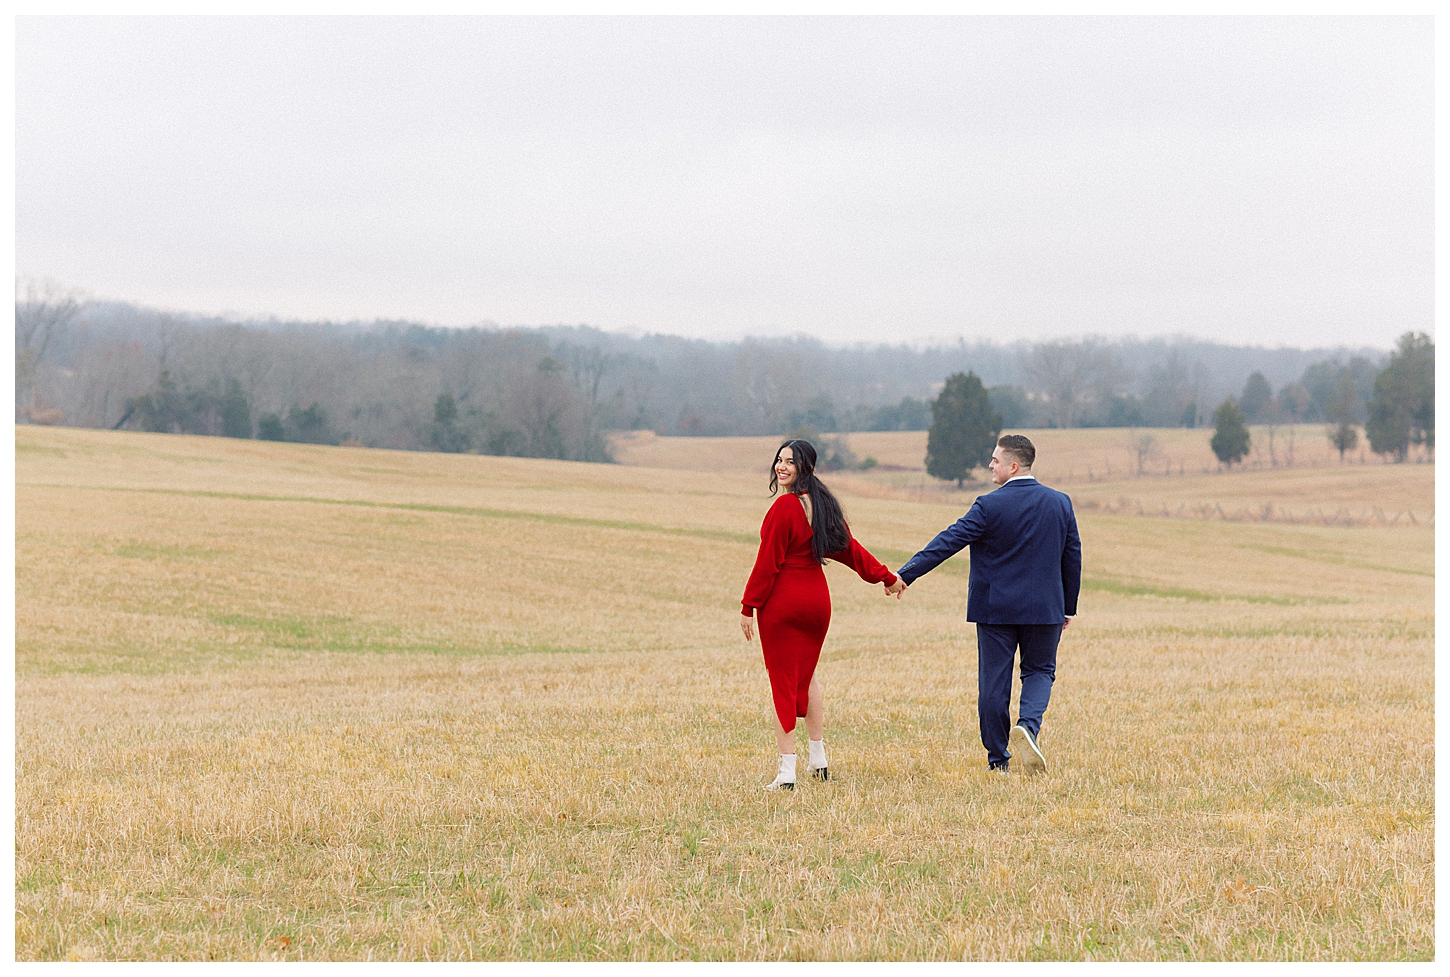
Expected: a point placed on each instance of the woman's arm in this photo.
(867, 567)
(774, 541)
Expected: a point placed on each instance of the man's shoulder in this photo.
(1018, 487)
(1048, 490)
(1059, 494)
(1027, 488)
(984, 500)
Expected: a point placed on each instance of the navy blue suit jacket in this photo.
(1026, 555)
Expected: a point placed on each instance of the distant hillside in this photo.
(551, 391)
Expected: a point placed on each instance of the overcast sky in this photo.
(1253, 180)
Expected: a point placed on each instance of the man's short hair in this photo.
(1019, 448)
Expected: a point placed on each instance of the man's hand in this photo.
(896, 589)
(747, 624)
(1066, 622)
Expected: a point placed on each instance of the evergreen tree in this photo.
(236, 412)
(158, 409)
(447, 436)
(309, 426)
(269, 428)
(1230, 441)
(1012, 403)
(818, 413)
(1403, 409)
(1294, 402)
(964, 428)
(1342, 414)
(1321, 380)
(909, 415)
(1257, 398)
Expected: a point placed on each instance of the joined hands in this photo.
(896, 589)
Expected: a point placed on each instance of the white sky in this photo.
(1253, 180)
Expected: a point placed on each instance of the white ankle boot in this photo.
(785, 777)
(817, 768)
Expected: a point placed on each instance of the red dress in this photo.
(788, 588)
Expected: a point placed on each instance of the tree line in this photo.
(1398, 412)
(555, 391)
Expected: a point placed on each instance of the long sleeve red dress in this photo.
(787, 594)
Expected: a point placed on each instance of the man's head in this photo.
(1013, 456)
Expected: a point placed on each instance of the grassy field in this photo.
(295, 702)
(1099, 467)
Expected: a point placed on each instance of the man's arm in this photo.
(1071, 565)
(949, 542)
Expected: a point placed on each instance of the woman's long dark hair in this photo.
(829, 533)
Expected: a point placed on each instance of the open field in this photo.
(1073, 456)
(1098, 467)
(296, 702)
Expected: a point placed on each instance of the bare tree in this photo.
(1075, 376)
(1057, 370)
(1273, 415)
(43, 310)
(165, 328)
(1104, 373)
(540, 405)
(1145, 446)
(1169, 392)
(768, 383)
(589, 364)
(639, 387)
(106, 378)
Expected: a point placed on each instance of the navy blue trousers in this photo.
(996, 648)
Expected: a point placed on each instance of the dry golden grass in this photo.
(1100, 469)
(1068, 456)
(279, 701)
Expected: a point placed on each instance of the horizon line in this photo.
(234, 317)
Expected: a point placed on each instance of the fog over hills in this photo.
(555, 389)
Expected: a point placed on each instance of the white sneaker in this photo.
(779, 784)
(819, 773)
(1023, 747)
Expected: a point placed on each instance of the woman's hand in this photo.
(747, 624)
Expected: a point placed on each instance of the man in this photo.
(1022, 592)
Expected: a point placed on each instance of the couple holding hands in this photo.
(1026, 568)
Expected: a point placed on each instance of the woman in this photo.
(787, 595)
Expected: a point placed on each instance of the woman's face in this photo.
(785, 471)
